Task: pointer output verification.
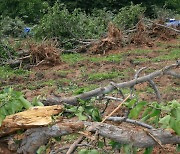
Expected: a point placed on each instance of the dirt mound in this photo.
(44, 52)
(112, 41)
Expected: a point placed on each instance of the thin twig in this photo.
(73, 146)
(122, 119)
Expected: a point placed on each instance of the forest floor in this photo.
(78, 73)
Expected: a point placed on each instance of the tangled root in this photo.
(45, 52)
(112, 41)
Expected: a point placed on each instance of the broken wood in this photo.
(34, 117)
(136, 137)
(36, 137)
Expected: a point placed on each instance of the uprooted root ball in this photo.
(112, 41)
(45, 52)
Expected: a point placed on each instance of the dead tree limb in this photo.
(123, 119)
(168, 27)
(36, 137)
(137, 137)
(153, 85)
(73, 146)
(109, 88)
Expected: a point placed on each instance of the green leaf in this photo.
(175, 125)
(134, 113)
(115, 145)
(178, 148)
(41, 149)
(165, 121)
(148, 150)
(130, 103)
(81, 116)
(100, 144)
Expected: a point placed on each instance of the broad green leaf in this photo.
(80, 109)
(165, 121)
(146, 112)
(81, 116)
(130, 103)
(134, 113)
(175, 125)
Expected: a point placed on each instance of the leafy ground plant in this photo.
(12, 101)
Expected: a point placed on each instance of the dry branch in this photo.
(136, 137)
(36, 137)
(124, 119)
(109, 88)
(34, 117)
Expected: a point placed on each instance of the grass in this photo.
(72, 58)
(140, 51)
(7, 72)
(80, 90)
(115, 58)
(171, 55)
(103, 76)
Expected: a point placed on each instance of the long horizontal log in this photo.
(109, 88)
(137, 137)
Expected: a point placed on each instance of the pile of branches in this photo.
(113, 40)
(162, 32)
(36, 53)
(143, 34)
(39, 129)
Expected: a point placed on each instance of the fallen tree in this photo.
(109, 88)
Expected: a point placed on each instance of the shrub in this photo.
(28, 10)
(128, 15)
(6, 51)
(59, 22)
(162, 13)
(11, 27)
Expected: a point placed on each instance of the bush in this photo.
(11, 27)
(59, 22)
(162, 13)
(28, 10)
(6, 52)
(128, 16)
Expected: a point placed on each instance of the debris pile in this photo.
(113, 40)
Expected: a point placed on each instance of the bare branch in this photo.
(109, 88)
(136, 137)
(122, 119)
(153, 85)
(75, 145)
